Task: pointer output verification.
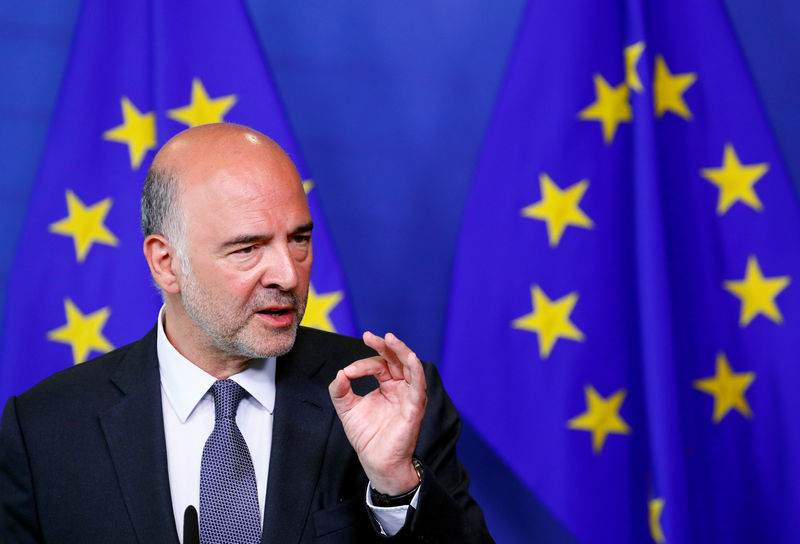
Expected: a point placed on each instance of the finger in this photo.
(379, 344)
(371, 366)
(342, 393)
(417, 374)
(405, 356)
(340, 386)
(416, 379)
(373, 341)
(414, 373)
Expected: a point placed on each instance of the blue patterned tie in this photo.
(229, 512)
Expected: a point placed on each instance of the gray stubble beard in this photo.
(203, 310)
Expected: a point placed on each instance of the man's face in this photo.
(248, 238)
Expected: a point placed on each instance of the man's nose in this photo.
(280, 269)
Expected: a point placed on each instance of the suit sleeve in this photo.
(446, 512)
(18, 516)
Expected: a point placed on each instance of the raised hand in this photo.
(383, 425)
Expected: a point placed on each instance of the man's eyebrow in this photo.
(305, 228)
(246, 239)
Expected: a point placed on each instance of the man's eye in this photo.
(245, 250)
(302, 238)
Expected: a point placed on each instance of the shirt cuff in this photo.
(391, 518)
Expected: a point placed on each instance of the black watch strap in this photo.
(404, 499)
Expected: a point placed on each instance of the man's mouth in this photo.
(277, 316)
(276, 311)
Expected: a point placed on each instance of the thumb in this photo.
(342, 393)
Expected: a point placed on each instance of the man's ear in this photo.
(163, 261)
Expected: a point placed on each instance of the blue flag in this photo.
(139, 72)
(626, 293)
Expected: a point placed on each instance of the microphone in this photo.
(191, 528)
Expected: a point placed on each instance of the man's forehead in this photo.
(245, 183)
(246, 199)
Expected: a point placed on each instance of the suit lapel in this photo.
(134, 431)
(303, 416)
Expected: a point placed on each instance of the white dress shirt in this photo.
(188, 412)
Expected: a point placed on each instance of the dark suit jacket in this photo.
(83, 456)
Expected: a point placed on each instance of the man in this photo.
(227, 405)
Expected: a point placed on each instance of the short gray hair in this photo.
(162, 212)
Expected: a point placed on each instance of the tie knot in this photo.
(227, 395)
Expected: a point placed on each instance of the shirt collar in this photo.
(185, 383)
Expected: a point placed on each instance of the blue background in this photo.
(389, 102)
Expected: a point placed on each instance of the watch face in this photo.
(417, 467)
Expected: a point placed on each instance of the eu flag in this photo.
(625, 302)
(138, 73)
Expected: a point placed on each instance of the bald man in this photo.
(274, 432)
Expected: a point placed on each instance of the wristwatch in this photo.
(404, 499)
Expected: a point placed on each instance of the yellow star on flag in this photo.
(601, 417)
(757, 293)
(632, 55)
(669, 88)
(735, 181)
(558, 208)
(727, 388)
(137, 131)
(83, 333)
(308, 184)
(610, 108)
(318, 309)
(202, 110)
(655, 508)
(549, 320)
(85, 225)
